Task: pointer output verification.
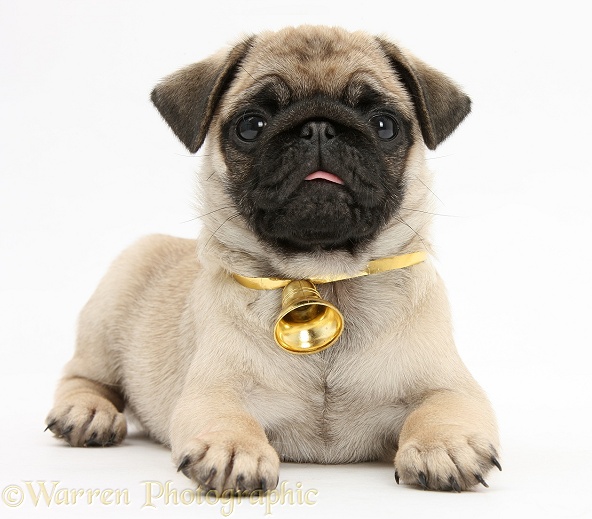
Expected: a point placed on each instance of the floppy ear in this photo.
(440, 105)
(187, 99)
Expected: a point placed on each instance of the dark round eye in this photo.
(250, 127)
(386, 127)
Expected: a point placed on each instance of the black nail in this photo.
(481, 480)
(50, 425)
(263, 484)
(496, 463)
(423, 480)
(454, 484)
(211, 476)
(397, 477)
(91, 442)
(184, 462)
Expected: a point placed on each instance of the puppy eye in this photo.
(386, 127)
(250, 127)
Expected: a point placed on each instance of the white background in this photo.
(87, 166)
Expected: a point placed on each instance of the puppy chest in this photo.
(328, 424)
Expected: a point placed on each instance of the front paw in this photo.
(445, 458)
(91, 421)
(224, 461)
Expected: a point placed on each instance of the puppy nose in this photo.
(318, 130)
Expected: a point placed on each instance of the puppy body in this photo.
(173, 338)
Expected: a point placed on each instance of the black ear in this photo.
(440, 105)
(187, 99)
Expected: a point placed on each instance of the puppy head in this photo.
(314, 129)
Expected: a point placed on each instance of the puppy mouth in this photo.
(325, 175)
(328, 208)
(318, 203)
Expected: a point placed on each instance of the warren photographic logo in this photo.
(153, 494)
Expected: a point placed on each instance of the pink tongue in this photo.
(324, 176)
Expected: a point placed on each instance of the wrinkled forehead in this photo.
(292, 65)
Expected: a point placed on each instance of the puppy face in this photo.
(315, 126)
(316, 171)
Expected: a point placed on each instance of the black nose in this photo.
(321, 131)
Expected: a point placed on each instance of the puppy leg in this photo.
(220, 446)
(449, 442)
(88, 407)
(87, 414)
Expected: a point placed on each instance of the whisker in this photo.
(428, 212)
(439, 157)
(206, 214)
(416, 233)
(218, 228)
(428, 188)
(193, 155)
(246, 71)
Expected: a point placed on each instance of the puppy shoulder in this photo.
(160, 248)
(153, 255)
(154, 259)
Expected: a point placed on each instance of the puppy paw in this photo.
(91, 422)
(224, 461)
(445, 458)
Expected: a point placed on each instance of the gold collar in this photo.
(374, 267)
(307, 323)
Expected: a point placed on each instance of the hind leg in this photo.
(87, 413)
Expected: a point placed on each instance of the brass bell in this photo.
(307, 323)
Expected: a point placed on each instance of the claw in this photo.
(454, 484)
(211, 476)
(397, 477)
(184, 462)
(50, 425)
(263, 484)
(496, 463)
(422, 480)
(480, 479)
(91, 441)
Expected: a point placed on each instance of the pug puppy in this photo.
(314, 165)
